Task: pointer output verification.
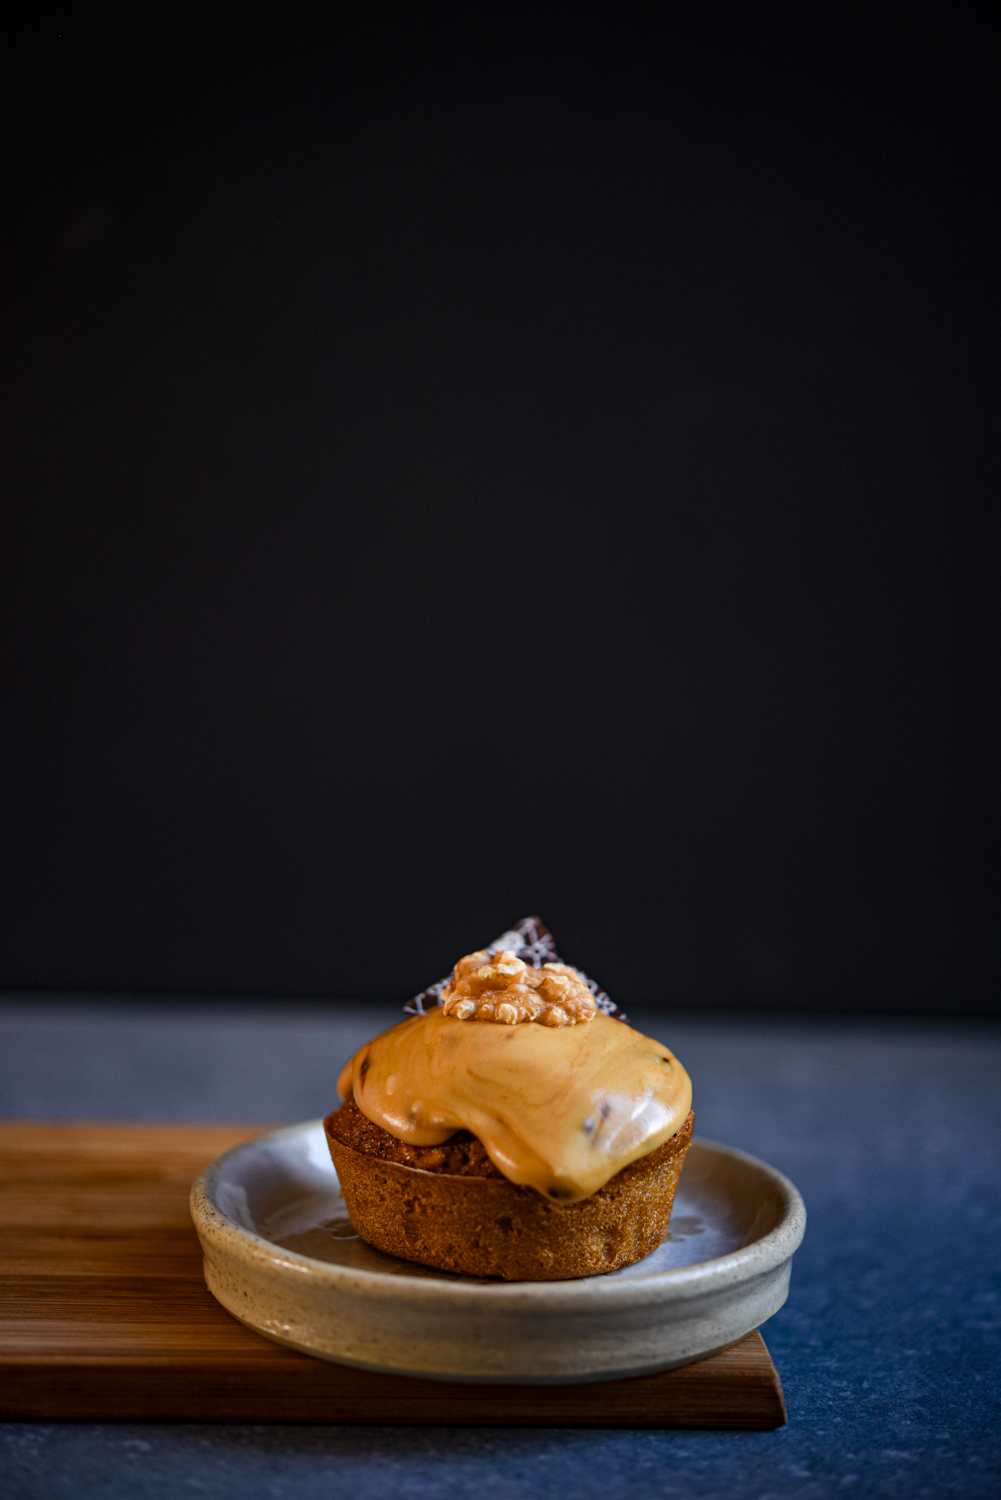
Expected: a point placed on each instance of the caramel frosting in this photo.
(561, 1108)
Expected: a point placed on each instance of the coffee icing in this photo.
(561, 1109)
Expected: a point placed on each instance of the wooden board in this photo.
(104, 1313)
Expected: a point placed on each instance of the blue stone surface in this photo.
(888, 1347)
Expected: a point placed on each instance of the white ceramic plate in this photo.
(282, 1255)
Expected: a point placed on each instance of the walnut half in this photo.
(509, 991)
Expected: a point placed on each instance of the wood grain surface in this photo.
(104, 1313)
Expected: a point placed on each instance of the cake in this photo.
(518, 1128)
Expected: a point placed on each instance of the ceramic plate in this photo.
(282, 1255)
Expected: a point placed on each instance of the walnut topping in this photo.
(506, 990)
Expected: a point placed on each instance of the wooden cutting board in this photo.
(104, 1313)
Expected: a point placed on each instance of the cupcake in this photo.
(517, 1128)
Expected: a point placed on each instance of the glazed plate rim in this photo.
(756, 1258)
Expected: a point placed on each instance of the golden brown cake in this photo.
(514, 1130)
(454, 1210)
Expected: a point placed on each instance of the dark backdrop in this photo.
(476, 465)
